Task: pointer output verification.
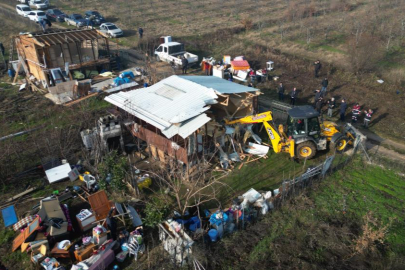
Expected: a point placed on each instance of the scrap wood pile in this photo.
(234, 146)
(58, 235)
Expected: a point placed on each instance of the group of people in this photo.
(319, 101)
(331, 103)
(281, 92)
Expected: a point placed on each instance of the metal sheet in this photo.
(220, 85)
(58, 173)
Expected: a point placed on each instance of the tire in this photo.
(340, 144)
(306, 150)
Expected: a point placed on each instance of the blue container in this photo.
(213, 234)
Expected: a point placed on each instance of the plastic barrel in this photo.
(213, 234)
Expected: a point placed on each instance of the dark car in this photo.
(76, 20)
(97, 18)
(55, 15)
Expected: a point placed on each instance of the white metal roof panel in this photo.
(220, 85)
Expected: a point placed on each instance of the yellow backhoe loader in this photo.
(304, 134)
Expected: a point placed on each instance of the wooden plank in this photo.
(79, 100)
(21, 194)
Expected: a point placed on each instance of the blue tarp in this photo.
(118, 81)
(9, 216)
(128, 74)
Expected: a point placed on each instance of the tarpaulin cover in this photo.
(9, 216)
(240, 65)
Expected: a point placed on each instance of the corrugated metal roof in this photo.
(174, 105)
(53, 37)
(220, 85)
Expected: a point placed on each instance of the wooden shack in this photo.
(50, 55)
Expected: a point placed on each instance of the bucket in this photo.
(213, 234)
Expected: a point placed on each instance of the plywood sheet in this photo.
(100, 204)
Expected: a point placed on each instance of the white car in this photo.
(36, 15)
(23, 10)
(38, 4)
(111, 30)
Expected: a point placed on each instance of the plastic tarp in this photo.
(240, 65)
(9, 216)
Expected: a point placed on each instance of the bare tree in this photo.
(190, 190)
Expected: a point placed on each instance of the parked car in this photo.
(111, 30)
(36, 15)
(38, 4)
(76, 20)
(98, 19)
(23, 1)
(55, 15)
(23, 10)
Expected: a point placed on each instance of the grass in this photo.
(346, 197)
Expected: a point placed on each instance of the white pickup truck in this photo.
(172, 52)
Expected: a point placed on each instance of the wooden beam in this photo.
(16, 73)
(79, 100)
(92, 48)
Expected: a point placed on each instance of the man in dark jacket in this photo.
(318, 66)
(343, 107)
(318, 95)
(281, 91)
(140, 31)
(2, 50)
(184, 63)
(318, 105)
(324, 84)
(293, 96)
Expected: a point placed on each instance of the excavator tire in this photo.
(306, 150)
(340, 144)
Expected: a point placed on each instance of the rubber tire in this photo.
(308, 144)
(337, 143)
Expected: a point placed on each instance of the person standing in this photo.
(293, 96)
(331, 106)
(367, 117)
(318, 105)
(184, 63)
(317, 67)
(318, 94)
(355, 112)
(281, 91)
(90, 21)
(343, 107)
(140, 31)
(42, 23)
(324, 84)
(2, 50)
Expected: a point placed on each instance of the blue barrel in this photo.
(213, 234)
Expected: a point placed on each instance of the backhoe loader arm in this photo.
(278, 143)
